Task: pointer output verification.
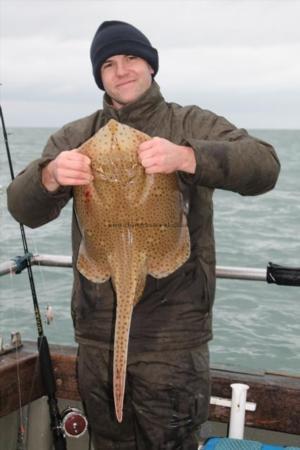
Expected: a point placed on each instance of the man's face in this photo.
(125, 78)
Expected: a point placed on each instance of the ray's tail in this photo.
(122, 330)
(129, 281)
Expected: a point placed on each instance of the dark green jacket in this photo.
(174, 312)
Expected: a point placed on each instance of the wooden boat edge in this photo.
(277, 396)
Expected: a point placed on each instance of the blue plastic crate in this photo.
(239, 444)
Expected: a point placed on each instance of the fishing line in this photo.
(21, 428)
(21, 432)
(43, 284)
(21, 425)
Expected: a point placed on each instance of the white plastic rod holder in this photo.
(238, 408)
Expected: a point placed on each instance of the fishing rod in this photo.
(71, 422)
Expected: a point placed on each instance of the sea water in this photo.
(256, 325)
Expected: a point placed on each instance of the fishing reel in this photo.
(73, 422)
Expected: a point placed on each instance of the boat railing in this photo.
(13, 266)
(274, 273)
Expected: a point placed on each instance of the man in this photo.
(167, 390)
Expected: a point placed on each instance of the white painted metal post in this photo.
(237, 413)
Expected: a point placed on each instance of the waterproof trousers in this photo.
(166, 398)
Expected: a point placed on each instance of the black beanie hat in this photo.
(120, 38)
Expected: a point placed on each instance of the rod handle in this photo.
(46, 367)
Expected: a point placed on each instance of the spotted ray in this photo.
(132, 224)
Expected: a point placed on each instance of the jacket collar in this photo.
(143, 114)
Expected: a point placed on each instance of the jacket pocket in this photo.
(196, 289)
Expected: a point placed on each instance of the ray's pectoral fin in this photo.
(175, 255)
(96, 271)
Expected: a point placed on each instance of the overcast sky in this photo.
(238, 58)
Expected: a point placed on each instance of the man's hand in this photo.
(69, 168)
(159, 155)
